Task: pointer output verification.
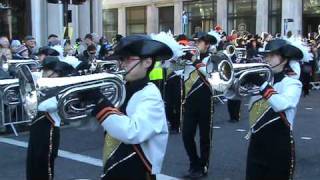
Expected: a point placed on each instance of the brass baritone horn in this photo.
(219, 72)
(66, 90)
(242, 71)
(224, 76)
(9, 91)
(240, 53)
(19, 62)
(110, 66)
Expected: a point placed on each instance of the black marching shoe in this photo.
(198, 173)
(233, 120)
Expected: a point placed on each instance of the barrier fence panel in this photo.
(11, 108)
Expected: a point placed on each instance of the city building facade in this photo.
(39, 18)
(189, 16)
(109, 17)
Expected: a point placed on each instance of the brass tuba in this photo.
(66, 89)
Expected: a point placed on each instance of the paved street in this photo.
(81, 149)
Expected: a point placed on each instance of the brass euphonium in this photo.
(229, 78)
(240, 53)
(9, 91)
(110, 66)
(219, 72)
(242, 71)
(66, 90)
(34, 64)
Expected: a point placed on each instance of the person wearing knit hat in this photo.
(271, 152)
(21, 53)
(30, 43)
(45, 129)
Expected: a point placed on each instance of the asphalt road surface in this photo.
(81, 148)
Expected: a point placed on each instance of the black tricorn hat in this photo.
(203, 36)
(63, 69)
(283, 47)
(50, 62)
(48, 51)
(142, 46)
(182, 37)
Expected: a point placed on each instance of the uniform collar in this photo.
(131, 88)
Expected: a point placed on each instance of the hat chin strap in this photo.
(277, 67)
(127, 72)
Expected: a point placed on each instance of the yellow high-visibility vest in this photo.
(157, 72)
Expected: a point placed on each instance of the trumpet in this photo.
(66, 89)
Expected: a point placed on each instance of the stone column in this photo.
(122, 21)
(222, 14)
(178, 8)
(292, 9)
(152, 19)
(97, 16)
(55, 19)
(36, 21)
(84, 19)
(262, 16)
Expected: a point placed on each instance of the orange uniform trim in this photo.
(104, 113)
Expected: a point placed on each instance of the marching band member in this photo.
(198, 108)
(271, 115)
(137, 133)
(173, 90)
(44, 131)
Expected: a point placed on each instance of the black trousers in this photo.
(130, 169)
(271, 153)
(198, 113)
(234, 109)
(42, 150)
(173, 101)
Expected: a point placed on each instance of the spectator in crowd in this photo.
(30, 44)
(5, 52)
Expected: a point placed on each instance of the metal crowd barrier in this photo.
(11, 108)
(315, 85)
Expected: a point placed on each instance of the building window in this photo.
(136, 20)
(311, 16)
(110, 23)
(274, 20)
(200, 16)
(242, 16)
(15, 18)
(166, 19)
